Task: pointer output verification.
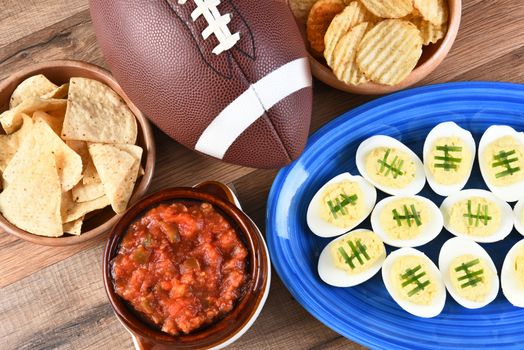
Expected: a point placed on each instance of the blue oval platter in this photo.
(366, 313)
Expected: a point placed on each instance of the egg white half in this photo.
(337, 277)
(414, 187)
(510, 193)
(321, 227)
(456, 247)
(433, 227)
(447, 129)
(506, 220)
(426, 311)
(512, 291)
(517, 213)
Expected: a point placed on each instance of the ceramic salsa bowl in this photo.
(235, 323)
(60, 72)
(432, 56)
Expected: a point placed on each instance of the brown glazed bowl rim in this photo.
(323, 73)
(238, 320)
(145, 138)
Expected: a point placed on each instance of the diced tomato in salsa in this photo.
(181, 265)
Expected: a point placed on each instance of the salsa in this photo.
(181, 266)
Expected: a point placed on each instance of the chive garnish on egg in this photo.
(502, 159)
(448, 161)
(472, 277)
(358, 252)
(412, 276)
(394, 168)
(409, 214)
(482, 215)
(339, 205)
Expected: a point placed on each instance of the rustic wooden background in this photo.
(53, 298)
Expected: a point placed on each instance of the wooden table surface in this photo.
(53, 298)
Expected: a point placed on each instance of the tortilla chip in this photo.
(98, 114)
(54, 122)
(118, 171)
(32, 87)
(74, 227)
(85, 193)
(68, 163)
(9, 144)
(11, 120)
(90, 175)
(59, 92)
(133, 150)
(72, 210)
(31, 199)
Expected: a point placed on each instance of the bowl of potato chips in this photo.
(376, 46)
(75, 153)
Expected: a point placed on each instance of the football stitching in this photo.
(252, 56)
(228, 76)
(217, 24)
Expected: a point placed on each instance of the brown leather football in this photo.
(228, 78)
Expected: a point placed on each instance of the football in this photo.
(227, 78)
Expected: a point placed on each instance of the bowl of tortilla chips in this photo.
(75, 153)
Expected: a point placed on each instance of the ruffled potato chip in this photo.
(429, 32)
(389, 8)
(355, 13)
(345, 66)
(434, 11)
(319, 19)
(390, 51)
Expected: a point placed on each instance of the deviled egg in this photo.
(468, 272)
(414, 282)
(449, 152)
(513, 275)
(351, 259)
(390, 166)
(518, 216)
(340, 205)
(406, 221)
(477, 215)
(501, 160)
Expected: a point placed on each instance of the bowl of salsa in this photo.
(186, 268)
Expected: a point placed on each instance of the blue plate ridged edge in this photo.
(394, 101)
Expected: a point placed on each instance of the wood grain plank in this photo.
(489, 29)
(19, 19)
(53, 297)
(64, 307)
(71, 38)
(508, 68)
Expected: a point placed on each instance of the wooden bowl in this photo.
(59, 72)
(238, 321)
(432, 56)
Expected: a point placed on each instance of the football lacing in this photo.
(217, 24)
